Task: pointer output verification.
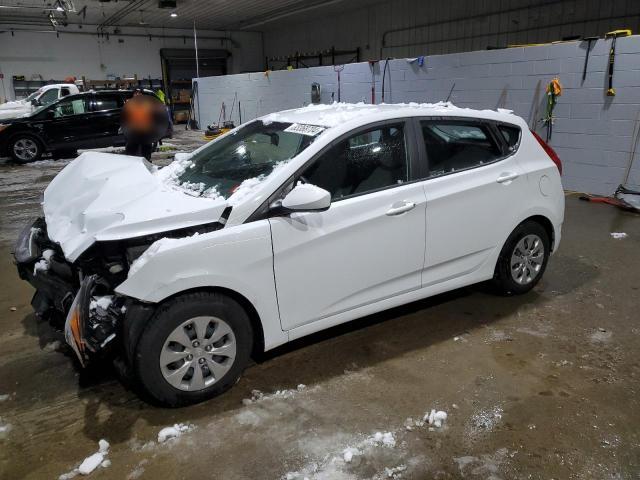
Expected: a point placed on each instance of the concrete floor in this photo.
(539, 386)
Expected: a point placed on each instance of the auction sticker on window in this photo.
(303, 129)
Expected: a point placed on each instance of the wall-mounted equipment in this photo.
(316, 92)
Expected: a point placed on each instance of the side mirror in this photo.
(51, 113)
(307, 198)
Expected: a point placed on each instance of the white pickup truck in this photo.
(43, 96)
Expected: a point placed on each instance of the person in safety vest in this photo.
(144, 122)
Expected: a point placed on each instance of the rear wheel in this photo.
(194, 348)
(523, 259)
(25, 149)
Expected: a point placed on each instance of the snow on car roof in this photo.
(339, 113)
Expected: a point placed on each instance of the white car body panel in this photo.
(21, 108)
(101, 196)
(354, 254)
(238, 259)
(308, 271)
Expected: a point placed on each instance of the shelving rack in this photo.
(24, 88)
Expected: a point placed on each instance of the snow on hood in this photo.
(102, 196)
(15, 111)
(12, 105)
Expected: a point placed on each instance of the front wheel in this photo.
(523, 259)
(194, 348)
(25, 149)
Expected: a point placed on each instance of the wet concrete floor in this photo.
(543, 385)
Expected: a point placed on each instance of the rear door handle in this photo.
(404, 207)
(507, 177)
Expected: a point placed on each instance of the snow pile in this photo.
(250, 185)
(338, 113)
(386, 439)
(89, 464)
(101, 302)
(257, 396)
(173, 432)
(40, 266)
(618, 235)
(484, 421)
(5, 428)
(436, 419)
(349, 453)
(155, 248)
(395, 472)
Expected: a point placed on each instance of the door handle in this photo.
(405, 207)
(507, 177)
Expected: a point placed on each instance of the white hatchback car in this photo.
(287, 225)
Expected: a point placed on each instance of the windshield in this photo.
(238, 162)
(33, 95)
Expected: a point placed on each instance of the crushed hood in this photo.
(102, 196)
(14, 110)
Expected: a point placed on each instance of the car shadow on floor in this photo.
(312, 360)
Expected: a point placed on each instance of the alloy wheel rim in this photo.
(25, 149)
(198, 353)
(527, 259)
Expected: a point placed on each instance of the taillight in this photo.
(550, 151)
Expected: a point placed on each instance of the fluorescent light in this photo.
(174, 14)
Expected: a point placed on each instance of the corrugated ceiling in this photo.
(208, 14)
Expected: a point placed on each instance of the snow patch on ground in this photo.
(618, 235)
(484, 466)
(601, 336)
(484, 421)
(257, 396)
(175, 431)
(5, 428)
(138, 470)
(89, 464)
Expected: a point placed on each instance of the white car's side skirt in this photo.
(479, 275)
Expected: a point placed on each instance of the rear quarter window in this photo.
(456, 145)
(511, 135)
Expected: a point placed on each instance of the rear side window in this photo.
(107, 102)
(511, 136)
(365, 162)
(453, 145)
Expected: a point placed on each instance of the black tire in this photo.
(503, 280)
(170, 316)
(39, 149)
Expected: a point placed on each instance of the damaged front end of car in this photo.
(79, 296)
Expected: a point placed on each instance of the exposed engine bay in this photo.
(80, 294)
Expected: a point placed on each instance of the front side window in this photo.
(365, 162)
(235, 164)
(453, 145)
(67, 108)
(48, 97)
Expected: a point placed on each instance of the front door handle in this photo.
(402, 208)
(506, 177)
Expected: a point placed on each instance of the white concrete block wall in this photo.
(592, 132)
